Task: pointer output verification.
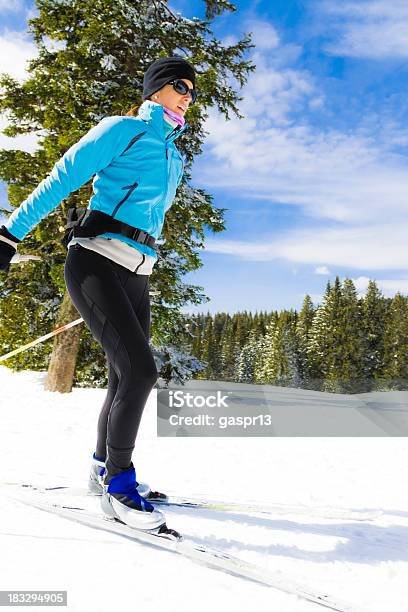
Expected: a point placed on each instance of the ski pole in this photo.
(41, 339)
(17, 258)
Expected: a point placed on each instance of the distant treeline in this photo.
(344, 345)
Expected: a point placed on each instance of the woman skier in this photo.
(111, 253)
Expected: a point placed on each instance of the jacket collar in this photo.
(152, 113)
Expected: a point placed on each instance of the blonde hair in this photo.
(133, 111)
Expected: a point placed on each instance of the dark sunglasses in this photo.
(182, 88)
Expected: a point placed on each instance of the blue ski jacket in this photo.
(136, 171)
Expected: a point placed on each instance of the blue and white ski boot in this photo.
(95, 486)
(97, 470)
(122, 502)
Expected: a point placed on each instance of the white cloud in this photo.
(317, 298)
(374, 29)
(342, 177)
(31, 12)
(371, 247)
(270, 156)
(324, 270)
(229, 40)
(11, 6)
(16, 49)
(387, 287)
(361, 283)
(372, 9)
(273, 92)
(353, 179)
(265, 36)
(24, 142)
(54, 45)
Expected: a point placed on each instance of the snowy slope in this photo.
(48, 438)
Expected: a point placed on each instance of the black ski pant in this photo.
(115, 305)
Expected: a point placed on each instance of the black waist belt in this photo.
(85, 223)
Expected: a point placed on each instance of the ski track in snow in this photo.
(48, 439)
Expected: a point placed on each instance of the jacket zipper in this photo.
(172, 134)
(131, 189)
(167, 175)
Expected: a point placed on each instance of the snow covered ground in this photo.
(48, 439)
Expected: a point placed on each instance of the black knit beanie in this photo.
(163, 70)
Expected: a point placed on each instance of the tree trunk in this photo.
(65, 350)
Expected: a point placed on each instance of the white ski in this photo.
(226, 506)
(275, 509)
(212, 558)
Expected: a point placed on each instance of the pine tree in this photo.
(395, 368)
(351, 342)
(246, 360)
(226, 346)
(96, 69)
(374, 311)
(207, 350)
(264, 363)
(337, 340)
(334, 350)
(319, 343)
(303, 328)
(282, 363)
(328, 349)
(219, 322)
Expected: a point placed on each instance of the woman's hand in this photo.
(7, 248)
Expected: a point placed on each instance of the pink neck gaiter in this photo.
(179, 118)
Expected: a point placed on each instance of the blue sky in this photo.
(315, 176)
